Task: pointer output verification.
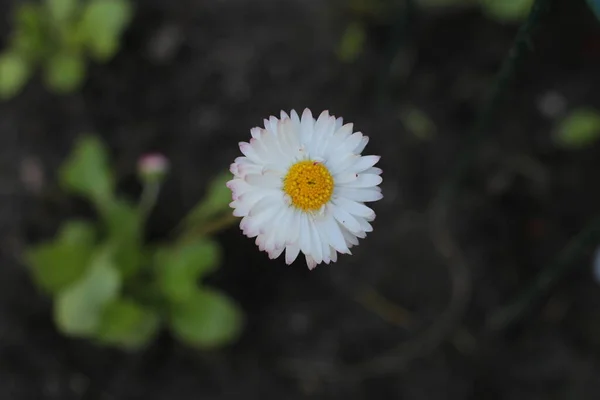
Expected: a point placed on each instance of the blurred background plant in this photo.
(366, 12)
(58, 36)
(112, 287)
(579, 129)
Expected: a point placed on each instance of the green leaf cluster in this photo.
(58, 36)
(110, 286)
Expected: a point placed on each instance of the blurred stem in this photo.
(148, 198)
(211, 227)
(447, 243)
(530, 296)
(441, 205)
(480, 128)
(385, 309)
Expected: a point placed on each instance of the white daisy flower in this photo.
(301, 187)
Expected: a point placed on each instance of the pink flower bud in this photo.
(153, 167)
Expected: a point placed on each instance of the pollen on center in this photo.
(309, 185)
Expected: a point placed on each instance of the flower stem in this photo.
(210, 228)
(545, 280)
(148, 198)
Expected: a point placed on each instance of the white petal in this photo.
(294, 226)
(364, 163)
(294, 116)
(351, 142)
(373, 170)
(344, 218)
(361, 146)
(267, 181)
(365, 181)
(291, 252)
(265, 203)
(334, 234)
(310, 262)
(355, 208)
(342, 164)
(315, 242)
(306, 127)
(345, 178)
(249, 152)
(351, 239)
(276, 253)
(365, 226)
(304, 236)
(359, 194)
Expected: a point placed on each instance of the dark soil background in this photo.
(191, 80)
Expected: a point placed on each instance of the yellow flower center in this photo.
(309, 184)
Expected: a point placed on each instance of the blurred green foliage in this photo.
(352, 43)
(216, 202)
(579, 129)
(506, 10)
(58, 36)
(113, 288)
(418, 123)
(498, 10)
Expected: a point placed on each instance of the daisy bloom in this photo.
(301, 187)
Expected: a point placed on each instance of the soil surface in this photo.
(194, 76)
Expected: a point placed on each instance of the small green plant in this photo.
(579, 129)
(112, 287)
(57, 35)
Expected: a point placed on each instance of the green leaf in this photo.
(215, 202)
(179, 267)
(127, 324)
(507, 10)
(124, 227)
(579, 129)
(64, 72)
(352, 43)
(87, 171)
(79, 308)
(418, 123)
(30, 39)
(102, 24)
(595, 6)
(206, 319)
(61, 11)
(29, 16)
(14, 74)
(57, 264)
